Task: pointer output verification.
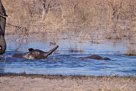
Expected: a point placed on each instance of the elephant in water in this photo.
(97, 57)
(2, 28)
(36, 54)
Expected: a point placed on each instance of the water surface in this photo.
(65, 62)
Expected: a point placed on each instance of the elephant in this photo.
(36, 54)
(2, 28)
(97, 57)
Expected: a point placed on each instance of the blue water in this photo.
(64, 62)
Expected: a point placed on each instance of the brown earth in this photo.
(66, 83)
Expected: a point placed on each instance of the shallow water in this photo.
(65, 62)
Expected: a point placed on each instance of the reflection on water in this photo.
(69, 63)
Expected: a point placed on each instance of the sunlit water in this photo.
(65, 62)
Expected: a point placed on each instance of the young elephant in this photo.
(36, 54)
(97, 57)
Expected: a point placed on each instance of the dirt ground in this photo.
(66, 83)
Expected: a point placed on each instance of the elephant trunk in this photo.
(51, 51)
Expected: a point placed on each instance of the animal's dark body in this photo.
(36, 54)
(2, 28)
(97, 57)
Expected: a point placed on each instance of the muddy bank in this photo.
(23, 82)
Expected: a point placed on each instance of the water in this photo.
(63, 62)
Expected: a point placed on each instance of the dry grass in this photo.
(72, 14)
(70, 83)
(131, 49)
(106, 19)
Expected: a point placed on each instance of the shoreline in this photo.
(55, 76)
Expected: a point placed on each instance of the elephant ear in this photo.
(30, 49)
(2, 44)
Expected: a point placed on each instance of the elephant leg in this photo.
(2, 41)
(2, 44)
(1, 31)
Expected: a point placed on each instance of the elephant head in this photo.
(36, 54)
(2, 28)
